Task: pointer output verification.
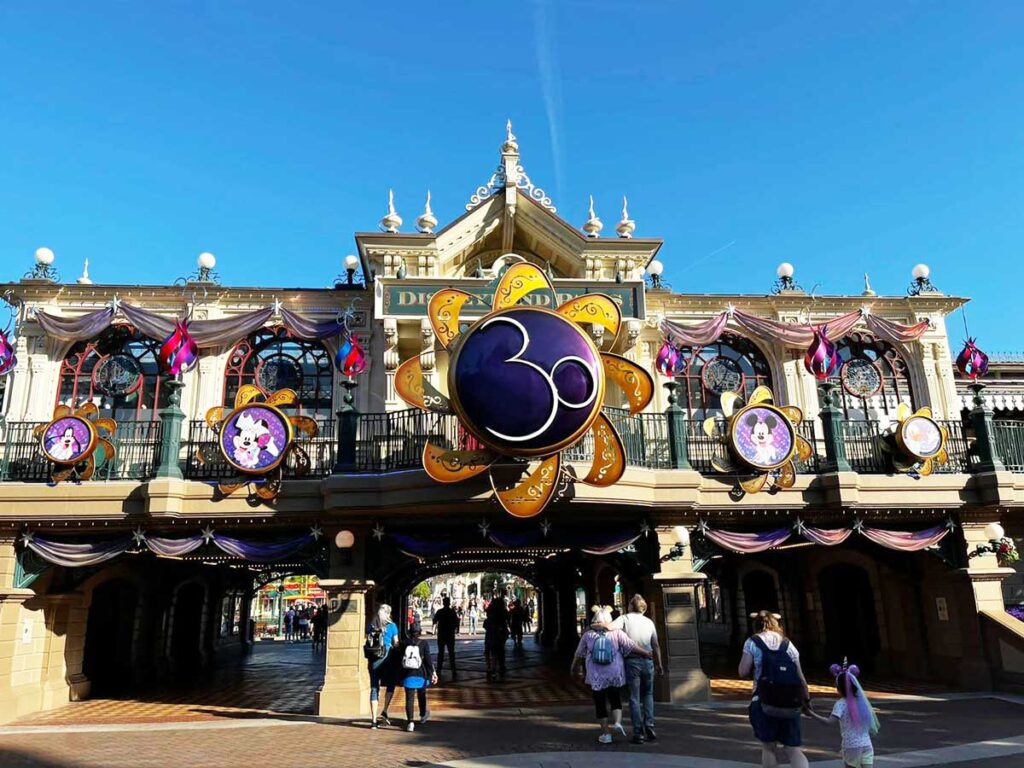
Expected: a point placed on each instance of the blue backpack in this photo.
(602, 652)
(779, 688)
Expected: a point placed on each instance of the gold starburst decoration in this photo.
(77, 442)
(760, 438)
(916, 441)
(526, 383)
(257, 439)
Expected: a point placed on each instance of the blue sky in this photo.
(843, 137)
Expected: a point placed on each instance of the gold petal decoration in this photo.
(90, 468)
(723, 464)
(518, 281)
(902, 412)
(529, 498)
(760, 395)
(409, 382)
(61, 411)
(109, 452)
(787, 475)
(214, 417)
(87, 410)
(803, 449)
(609, 456)
(594, 308)
(246, 394)
(226, 488)
(942, 457)
(305, 425)
(634, 381)
(434, 400)
(37, 432)
(62, 475)
(108, 425)
(269, 489)
(793, 413)
(754, 484)
(443, 311)
(926, 468)
(282, 397)
(925, 411)
(728, 400)
(711, 426)
(447, 466)
(299, 460)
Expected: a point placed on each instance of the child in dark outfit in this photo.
(417, 673)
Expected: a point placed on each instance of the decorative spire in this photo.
(627, 226)
(84, 279)
(868, 290)
(427, 220)
(593, 225)
(391, 221)
(511, 146)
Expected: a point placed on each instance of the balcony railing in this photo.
(204, 461)
(1009, 439)
(137, 446)
(862, 441)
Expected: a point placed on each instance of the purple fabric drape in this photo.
(826, 537)
(309, 329)
(262, 552)
(747, 543)
(72, 555)
(67, 329)
(906, 541)
(896, 332)
(207, 333)
(612, 546)
(793, 334)
(696, 335)
(165, 547)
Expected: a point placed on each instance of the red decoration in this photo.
(351, 359)
(972, 362)
(179, 352)
(822, 357)
(7, 359)
(667, 362)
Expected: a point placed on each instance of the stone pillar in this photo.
(548, 616)
(171, 419)
(567, 637)
(348, 427)
(677, 429)
(989, 459)
(674, 608)
(346, 688)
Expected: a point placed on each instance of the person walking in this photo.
(855, 716)
(417, 673)
(447, 622)
(496, 634)
(381, 641)
(516, 620)
(474, 612)
(780, 690)
(289, 624)
(602, 652)
(640, 669)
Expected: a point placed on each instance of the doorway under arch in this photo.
(848, 612)
(110, 636)
(759, 594)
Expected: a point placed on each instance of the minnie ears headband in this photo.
(776, 616)
(837, 669)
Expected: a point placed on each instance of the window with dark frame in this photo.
(730, 363)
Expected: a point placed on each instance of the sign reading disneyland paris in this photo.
(411, 298)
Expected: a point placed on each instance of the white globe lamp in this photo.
(994, 532)
(344, 540)
(921, 271)
(682, 535)
(784, 271)
(44, 256)
(654, 270)
(206, 260)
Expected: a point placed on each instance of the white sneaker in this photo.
(410, 726)
(618, 727)
(604, 738)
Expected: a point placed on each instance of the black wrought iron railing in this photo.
(204, 460)
(1009, 439)
(644, 439)
(863, 442)
(136, 444)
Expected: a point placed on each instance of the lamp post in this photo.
(206, 261)
(922, 283)
(654, 271)
(43, 269)
(995, 534)
(682, 537)
(349, 280)
(785, 283)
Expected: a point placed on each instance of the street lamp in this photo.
(785, 283)
(43, 270)
(206, 261)
(682, 537)
(921, 284)
(654, 270)
(995, 534)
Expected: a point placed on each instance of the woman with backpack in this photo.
(381, 638)
(417, 673)
(602, 651)
(780, 689)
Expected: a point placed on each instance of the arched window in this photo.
(874, 378)
(118, 371)
(272, 359)
(731, 363)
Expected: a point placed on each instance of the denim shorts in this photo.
(769, 730)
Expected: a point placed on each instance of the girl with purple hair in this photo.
(855, 715)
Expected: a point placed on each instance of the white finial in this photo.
(391, 221)
(627, 226)
(84, 279)
(868, 291)
(593, 225)
(511, 146)
(427, 220)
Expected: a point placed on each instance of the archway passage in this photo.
(848, 610)
(111, 637)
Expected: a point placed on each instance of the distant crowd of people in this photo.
(308, 622)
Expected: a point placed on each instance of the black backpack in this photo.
(374, 648)
(779, 688)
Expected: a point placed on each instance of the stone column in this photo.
(346, 688)
(674, 609)
(171, 419)
(831, 427)
(568, 632)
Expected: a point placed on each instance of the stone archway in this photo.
(848, 612)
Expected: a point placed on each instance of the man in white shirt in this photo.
(640, 670)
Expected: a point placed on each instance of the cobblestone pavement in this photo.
(713, 734)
